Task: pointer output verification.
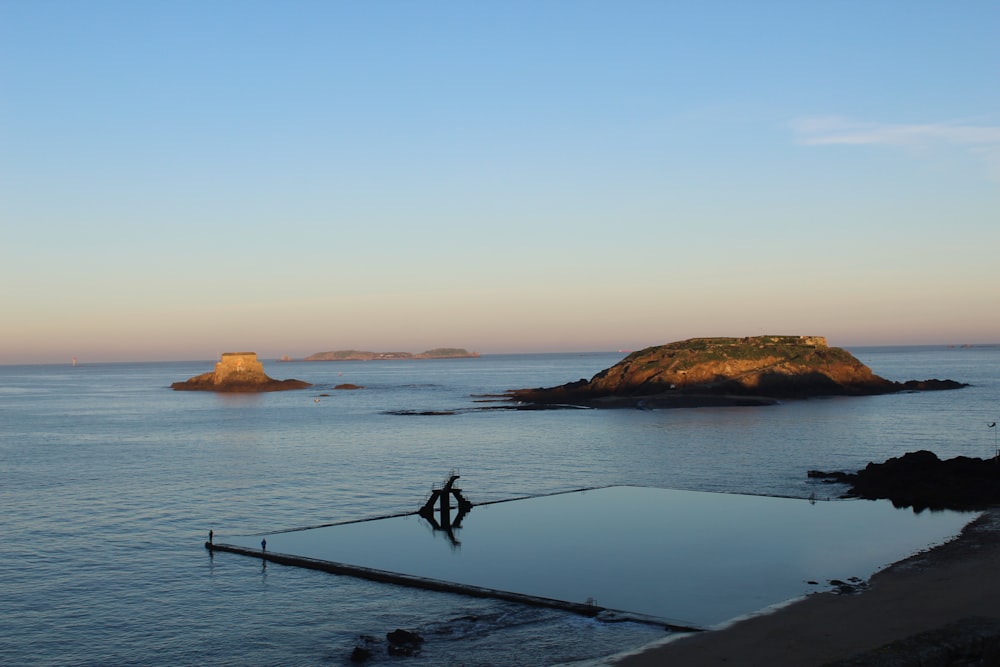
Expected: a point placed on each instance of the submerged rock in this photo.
(404, 642)
(756, 370)
(237, 372)
(360, 654)
(365, 650)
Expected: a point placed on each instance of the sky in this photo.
(183, 178)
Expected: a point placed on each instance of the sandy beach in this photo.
(924, 593)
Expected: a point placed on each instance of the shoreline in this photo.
(923, 593)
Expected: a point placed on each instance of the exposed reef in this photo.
(237, 372)
(923, 481)
(757, 370)
(361, 355)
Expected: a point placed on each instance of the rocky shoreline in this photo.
(923, 481)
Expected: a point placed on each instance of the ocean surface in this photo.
(110, 482)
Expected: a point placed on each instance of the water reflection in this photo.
(237, 399)
(683, 556)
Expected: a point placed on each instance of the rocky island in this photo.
(698, 372)
(360, 355)
(237, 372)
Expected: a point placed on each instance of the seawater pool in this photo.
(687, 558)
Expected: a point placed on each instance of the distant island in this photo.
(699, 372)
(237, 372)
(360, 355)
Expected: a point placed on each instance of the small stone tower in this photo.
(239, 367)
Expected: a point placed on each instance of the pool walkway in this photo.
(384, 576)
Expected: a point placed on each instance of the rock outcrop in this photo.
(237, 372)
(923, 481)
(726, 371)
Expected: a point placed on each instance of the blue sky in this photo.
(179, 179)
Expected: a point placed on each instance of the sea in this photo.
(110, 483)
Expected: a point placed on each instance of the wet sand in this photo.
(954, 581)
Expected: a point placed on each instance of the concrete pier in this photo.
(372, 574)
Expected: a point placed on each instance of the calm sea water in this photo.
(109, 483)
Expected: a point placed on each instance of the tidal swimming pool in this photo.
(685, 557)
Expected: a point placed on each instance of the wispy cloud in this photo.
(983, 141)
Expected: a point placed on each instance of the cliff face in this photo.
(237, 372)
(759, 366)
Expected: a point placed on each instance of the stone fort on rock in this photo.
(238, 367)
(237, 372)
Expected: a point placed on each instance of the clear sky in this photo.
(179, 179)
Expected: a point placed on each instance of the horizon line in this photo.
(75, 361)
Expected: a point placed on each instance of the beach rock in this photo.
(923, 481)
(852, 586)
(237, 372)
(757, 370)
(348, 386)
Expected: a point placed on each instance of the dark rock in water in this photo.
(923, 481)
(930, 385)
(348, 386)
(404, 642)
(237, 372)
(361, 654)
(404, 637)
(697, 372)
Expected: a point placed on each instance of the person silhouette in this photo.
(263, 544)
